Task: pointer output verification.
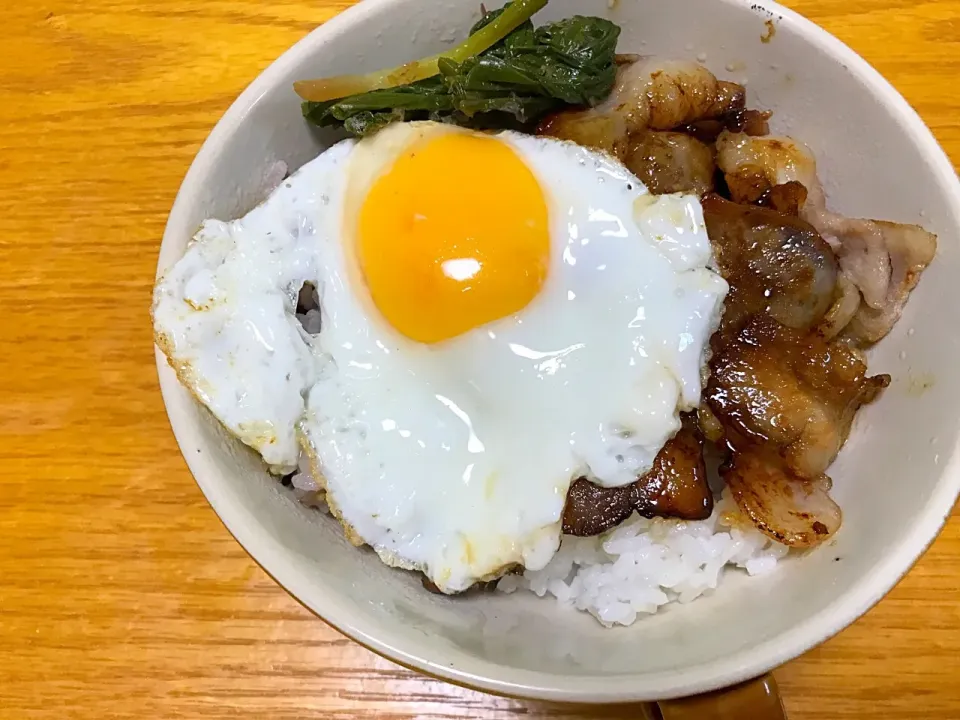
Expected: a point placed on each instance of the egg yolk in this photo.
(453, 236)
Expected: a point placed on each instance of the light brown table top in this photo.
(121, 594)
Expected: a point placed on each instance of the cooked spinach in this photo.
(486, 35)
(513, 84)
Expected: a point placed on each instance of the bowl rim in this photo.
(722, 672)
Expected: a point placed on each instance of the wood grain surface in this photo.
(121, 595)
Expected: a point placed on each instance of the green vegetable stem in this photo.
(513, 80)
(512, 17)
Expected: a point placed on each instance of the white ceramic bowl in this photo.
(896, 479)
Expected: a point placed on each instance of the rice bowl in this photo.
(710, 664)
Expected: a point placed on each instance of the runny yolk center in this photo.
(453, 236)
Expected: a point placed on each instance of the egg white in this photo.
(224, 313)
(453, 458)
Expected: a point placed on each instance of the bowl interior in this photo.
(895, 480)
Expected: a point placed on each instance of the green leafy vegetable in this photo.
(511, 84)
(485, 35)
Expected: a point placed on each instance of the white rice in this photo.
(306, 489)
(643, 564)
(636, 568)
(311, 321)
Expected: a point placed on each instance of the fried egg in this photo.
(501, 314)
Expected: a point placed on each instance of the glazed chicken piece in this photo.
(665, 94)
(649, 95)
(786, 401)
(788, 198)
(775, 264)
(753, 165)
(843, 309)
(882, 260)
(789, 509)
(774, 384)
(669, 162)
(676, 487)
(751, 122)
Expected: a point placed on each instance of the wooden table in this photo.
(121, 595)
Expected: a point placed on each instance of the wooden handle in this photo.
(755, 700)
